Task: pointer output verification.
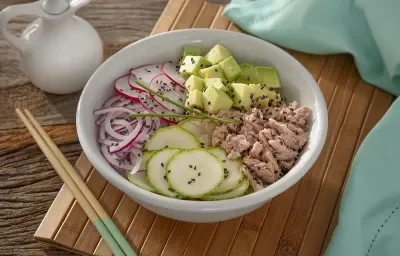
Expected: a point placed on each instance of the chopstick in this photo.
(91, 206)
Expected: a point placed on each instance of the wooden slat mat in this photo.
(298, 222)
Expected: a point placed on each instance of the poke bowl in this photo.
(202, 125)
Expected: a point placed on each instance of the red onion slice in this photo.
(136, 157)
(124, 165)
(131, 138)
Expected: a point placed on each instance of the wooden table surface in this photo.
(28, 184)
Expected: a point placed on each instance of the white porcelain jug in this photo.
(59, 51)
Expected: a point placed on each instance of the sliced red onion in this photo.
(112, 110)
(136, 158)
(131, 138)
(102, 132)
(126, 126)
(124, 165)
(112, 100)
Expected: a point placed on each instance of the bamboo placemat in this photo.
(298, 222)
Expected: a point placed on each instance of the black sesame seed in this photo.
(248, 78)
(240, 101)
(202, 144)
(195, 167)
(165, 177)
(223, 161)
(169, 171)
(157, 67)
(193, 180)
(216, 70)
(170, 61)
(183, 64)
(201, 65)
(190, 166)
(121, 90)
(162, 164)
(199, 174)
(189, 182)
(209, 102)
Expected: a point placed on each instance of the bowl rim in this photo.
(211, 206)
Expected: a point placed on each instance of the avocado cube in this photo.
(192, 64)
(216, 83)
(268, 76)
(215, 71)
(242, 96)
(195, 99)
(194, 83)
(189, 51)
(231, 68)
(260, 98)
(214, 100)
(217, 54)
(248, 75)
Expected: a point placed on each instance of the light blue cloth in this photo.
(368, 29)
(369, 217)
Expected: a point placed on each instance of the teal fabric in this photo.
(369, 216)
(367, 29)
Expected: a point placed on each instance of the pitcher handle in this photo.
(12, 11)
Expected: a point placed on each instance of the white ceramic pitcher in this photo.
(59, 51)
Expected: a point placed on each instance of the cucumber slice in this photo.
(146, 156)
(239, 191)
(156, 172)
(139, 179)
(202, 129)
(233, 174)
(173, 137)
(194, 173)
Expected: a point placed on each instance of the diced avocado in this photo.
(231, 68)
(214, 100)
(192, 64)
(194, 83)
(268, 76)
(259, 95)
(215, 71)
(216, 83)
(217, 54)
(189, 50)
(241, 96)
(195, 99)
(248, 75)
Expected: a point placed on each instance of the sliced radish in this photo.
(122, 87)
(152, 105)
(172, 71)
(164, 86)
(132, 83)
(147, 73)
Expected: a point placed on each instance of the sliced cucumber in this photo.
(202, 129)
(146, 156)
(194, 173)
(139, 179)
(156, 171)
(239, 191)
(173, 137)
(233, 174)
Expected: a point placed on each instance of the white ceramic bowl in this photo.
(298, 85)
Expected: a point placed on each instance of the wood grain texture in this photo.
(300, 221)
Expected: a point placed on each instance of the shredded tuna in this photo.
(269, 141)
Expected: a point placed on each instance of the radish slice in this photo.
(122, 87)
(147, 73)
(164, 86)
(172, 71)
(132, 83)
(153, 106)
